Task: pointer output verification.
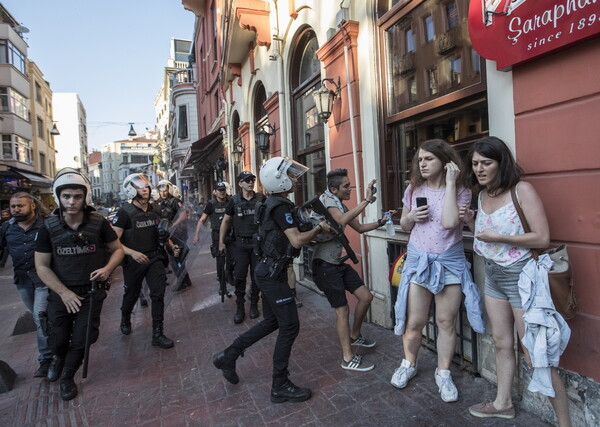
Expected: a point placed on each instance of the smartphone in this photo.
(421, 201)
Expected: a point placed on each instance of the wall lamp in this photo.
(237, 152)
(131, 130)
(324, 98)
(54, 131)
(263, 137)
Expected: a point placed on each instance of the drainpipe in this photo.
(276, 56)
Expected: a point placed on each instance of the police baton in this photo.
(88, 332)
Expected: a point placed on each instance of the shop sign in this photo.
(515, 31)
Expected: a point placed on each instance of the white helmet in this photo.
(276, 172)
(71, 177)
(173, 190)
(133, 182)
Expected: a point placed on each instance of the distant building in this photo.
(121, 158)
(176, 113)
(71, 144)
(27, 157)
(95, 176)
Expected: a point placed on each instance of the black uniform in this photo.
(75, 255)
(242, 212)
(140, 233)
(279, 307)
(215, 211)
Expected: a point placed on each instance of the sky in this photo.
(111, 52)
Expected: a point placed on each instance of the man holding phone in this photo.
(334, 277)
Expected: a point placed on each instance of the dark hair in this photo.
(509, 172)
(335, 177)
(40, 209)
(440, 149)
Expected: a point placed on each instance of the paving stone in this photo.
(130, 382)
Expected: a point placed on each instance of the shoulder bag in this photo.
(560, 276)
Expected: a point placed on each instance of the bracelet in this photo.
(381, 221)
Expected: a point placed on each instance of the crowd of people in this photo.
(63, 262)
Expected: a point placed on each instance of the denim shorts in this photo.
(503, 282)
(449, 279)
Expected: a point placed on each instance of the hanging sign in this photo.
(512, 32)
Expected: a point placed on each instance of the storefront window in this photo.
(436, 90)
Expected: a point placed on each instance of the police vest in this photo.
(216, 216)
(168, 207)
(243, 215)
(275, 243)
(75, 254)
(143, 234)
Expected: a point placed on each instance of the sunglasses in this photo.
(249, 180)
(221, 189)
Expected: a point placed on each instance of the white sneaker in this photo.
(448, 391)
(404, 373)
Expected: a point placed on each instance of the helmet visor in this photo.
(294, 169)
(140, 181)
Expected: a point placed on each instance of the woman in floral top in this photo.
(502, 242)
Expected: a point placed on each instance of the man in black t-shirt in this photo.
(76, 247)
(279, 242)
(136, 224)
(214, 211)
(240, 211)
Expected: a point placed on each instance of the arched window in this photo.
(308, 132)
(235, 141)
(260, 118)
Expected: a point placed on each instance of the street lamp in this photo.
(263, 137)
(131, 130)
(324, 98)
(54, 131)
(237, 152)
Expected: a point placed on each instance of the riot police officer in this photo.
(136, 225)
(279, 241)
(169, 202)
(72, 250)
(215, 210)
(240, 211)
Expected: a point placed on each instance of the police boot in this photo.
(158, 338)
(283, 390)
(254, 313)
(126, 324)
(56, 368)
(240, 313)
(225, 361)
(68, 388)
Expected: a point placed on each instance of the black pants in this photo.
(67, 330)
(244, 256)
(225, 262)
(133, 275)
(279, 312)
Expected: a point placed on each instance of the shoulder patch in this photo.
(115, 219)
(288, 218)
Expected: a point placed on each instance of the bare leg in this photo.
(364, 297)
(559, 402)
(502, 321)
(291, 277)
(417, 313)
(343, 329)
(447, 304)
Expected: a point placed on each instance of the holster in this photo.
(44, 323)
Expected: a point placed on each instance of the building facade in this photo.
(28, 151)
(72, 143)
(401, 72)
(96, 177)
